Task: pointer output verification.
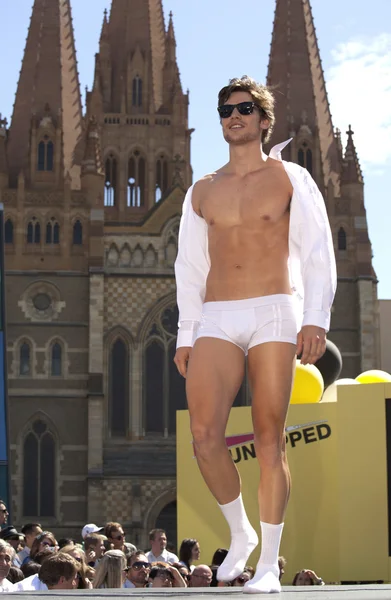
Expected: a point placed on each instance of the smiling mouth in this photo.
(236, 126)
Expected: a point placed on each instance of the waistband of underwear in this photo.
(248, 303)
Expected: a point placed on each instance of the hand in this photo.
(178, 579)
(311, 344)
(90, 556)
(181, 359)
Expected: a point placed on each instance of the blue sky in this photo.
(220, 39)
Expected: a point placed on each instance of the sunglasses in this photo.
(118, 537)
(244, 108)
(3, 510)
(138, 565)
(47, 544)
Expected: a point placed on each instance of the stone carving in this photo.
(41, 301)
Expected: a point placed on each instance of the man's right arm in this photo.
(191, 271)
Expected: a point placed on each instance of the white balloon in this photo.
(347, 381)
(330, 394)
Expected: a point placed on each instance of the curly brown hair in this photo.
(261, 95)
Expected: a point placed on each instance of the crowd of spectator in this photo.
(33, 559)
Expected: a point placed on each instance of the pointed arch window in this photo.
(39, 471)
(25, 359)
(52, 232)
(119, 388)
(9, 232)
(164, 388)
(77, 238)
(304, 157)
(137, 172)
(161, 178)
(137, 91)
(45, 154)
(56, 360)
(110, 181)
(342, 242)
(33, 232)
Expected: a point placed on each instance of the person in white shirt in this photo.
(30, 532)
(256, 277)
(6, 552)
(158, 551)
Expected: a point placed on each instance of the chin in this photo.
(239, 139)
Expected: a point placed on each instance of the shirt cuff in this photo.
(319, 318)
(187, 333)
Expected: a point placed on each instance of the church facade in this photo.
(92, 207)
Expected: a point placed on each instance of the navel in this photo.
(266, 217)
(212, 222)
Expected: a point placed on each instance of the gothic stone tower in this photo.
(303, 113)
(50, 187)
(92, 209)
(142, 114)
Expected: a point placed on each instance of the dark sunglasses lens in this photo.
(245, 108)
(226, 110)
(139, 565)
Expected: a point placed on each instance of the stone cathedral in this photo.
(92, 208)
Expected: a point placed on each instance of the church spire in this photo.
(351, 172)
(137, 44)
(302, 106)
(48, 88)
(3, 147)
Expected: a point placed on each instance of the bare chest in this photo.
(253, 204)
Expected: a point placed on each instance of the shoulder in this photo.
(200, 188)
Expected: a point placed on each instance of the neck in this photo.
(246, 158)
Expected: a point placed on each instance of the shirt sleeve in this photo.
(318, 265)
(191, 271)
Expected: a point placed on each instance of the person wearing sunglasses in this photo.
(256, 278)
(138, 571)
(43, 541)
(116, 538)
(4, 514)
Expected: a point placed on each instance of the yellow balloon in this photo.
(374, 376)
(308, 384)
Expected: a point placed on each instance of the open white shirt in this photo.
(165, 556)
(311, 263)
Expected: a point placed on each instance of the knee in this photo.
(270, 447)
(206, 439)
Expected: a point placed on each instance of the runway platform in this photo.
(334, 592)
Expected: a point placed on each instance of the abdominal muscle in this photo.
(248, 262)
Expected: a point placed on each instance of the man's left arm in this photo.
(319, 273)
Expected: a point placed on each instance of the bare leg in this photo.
(215, 373)
(271, 369)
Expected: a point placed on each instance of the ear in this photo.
(264, 124)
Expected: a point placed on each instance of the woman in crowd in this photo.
(184, 572)
(111, 571)
(85, 573)
(189, 552)
(43, 541)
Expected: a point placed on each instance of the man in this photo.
(59, 572)
(4, 514)
(116, 537)
(238, 295)
(94, 549)
(90, 528)
(138, 571)
(5, 565)
(158, 551)
(30, 532)
(201, 576)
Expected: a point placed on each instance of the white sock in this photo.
(243, 540)
(267, 576)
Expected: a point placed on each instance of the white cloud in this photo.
(359, 89)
